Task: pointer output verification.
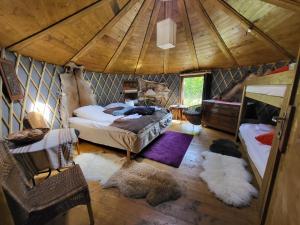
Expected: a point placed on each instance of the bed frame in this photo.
(284, 78)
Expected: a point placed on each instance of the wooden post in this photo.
(243, 108)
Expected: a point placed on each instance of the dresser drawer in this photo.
(220, 116)
(222, 110)
(221, 122)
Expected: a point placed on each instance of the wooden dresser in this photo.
(220, 115)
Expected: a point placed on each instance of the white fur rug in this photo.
(228, 179)
(96, 167)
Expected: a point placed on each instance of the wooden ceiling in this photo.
(119, 36)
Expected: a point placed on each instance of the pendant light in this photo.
(166, 31)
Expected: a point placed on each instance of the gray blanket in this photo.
(140, 124)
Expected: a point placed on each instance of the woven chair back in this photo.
(14, 184)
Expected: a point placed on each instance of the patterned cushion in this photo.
(26, 136)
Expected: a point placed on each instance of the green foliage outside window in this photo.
(192, 90)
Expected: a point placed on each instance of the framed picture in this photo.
(10, 80)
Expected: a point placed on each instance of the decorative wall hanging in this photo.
(76, 91)
(153, 93)
(10, 80)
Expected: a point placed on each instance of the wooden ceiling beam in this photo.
(73, 17)
(286, 4)
(147, 38)
(143, 9)
(215, 33)
(255, 31)
(188, 32)
(104, 30)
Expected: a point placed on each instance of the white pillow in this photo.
(115, 104)
(85, 111)
(264, 127)
(95, 113)
(129, 103)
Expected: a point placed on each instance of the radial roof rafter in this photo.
(106, 35)
(215, 33)
(80, 13)
(255, 31)
(147, 38)
(143, 9)
(104, 30)
(188, 32)
(287, 4)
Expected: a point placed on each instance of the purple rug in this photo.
(169, 148)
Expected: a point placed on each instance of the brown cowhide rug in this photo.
(140, 180)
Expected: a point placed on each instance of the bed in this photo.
(275, 90)
(258, 152)
(99, 126)
(105, 132)
(271, 89)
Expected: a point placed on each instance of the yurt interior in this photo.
(149, 112)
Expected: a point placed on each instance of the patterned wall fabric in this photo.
(223, 78)
(108, 87)
(41, 86)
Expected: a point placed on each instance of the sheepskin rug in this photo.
(96, 167)
(228, 179)
(140, 180)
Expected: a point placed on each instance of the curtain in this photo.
(206, 94)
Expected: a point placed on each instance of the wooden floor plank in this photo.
(196, 206)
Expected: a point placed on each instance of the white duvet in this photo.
(258, 152)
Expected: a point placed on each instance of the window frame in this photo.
(182, 77)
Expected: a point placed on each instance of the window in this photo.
(192, 88)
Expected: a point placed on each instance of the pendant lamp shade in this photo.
(166, 34)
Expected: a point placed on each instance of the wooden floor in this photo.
(196, 206)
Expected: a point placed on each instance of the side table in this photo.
(177, 111)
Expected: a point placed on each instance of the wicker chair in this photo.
(39, 204)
